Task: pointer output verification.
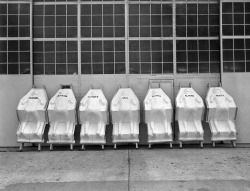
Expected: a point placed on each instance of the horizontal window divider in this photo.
(166, 75)
(15, 38)
(235, 1)
(13, 2)
(55, 39)
(191, 75)
(152, 2)
(199, 2)
(56, 3)
(235, 37)
(197, 38)
(103, 38)
(151, 38)
(102, 2)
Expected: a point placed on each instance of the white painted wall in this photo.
(238, 86)
(13, 88)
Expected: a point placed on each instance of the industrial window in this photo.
(103, 57)
(103, 38)
(55, 32)
(55, 57)
(152, 24)
(235, 37)
(15, 37)
(197, 37)
(115, 36)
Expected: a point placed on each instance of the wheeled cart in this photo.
(221, 115)
(125, 110)
(189, 113)
(158, 117)
(93, 117)
(32, 117)
(62, 118)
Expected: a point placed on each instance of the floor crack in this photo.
(128, 171)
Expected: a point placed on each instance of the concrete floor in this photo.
(159, 168)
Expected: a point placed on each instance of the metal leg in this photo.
(71, 147)
(39, 147)
(51, 147)
(233, 144)
(102, 147)
(201, 144)
(213, 144)
(83, 147)
(149, 146)
(114, 146)
(136, 145)
(171, 145)
(21, 147)
(180, 145)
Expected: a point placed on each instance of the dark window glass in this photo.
(109, 68)
(238, 29)
(156, 68)
(228, 44)
(97, 68)
(61, 9)
(25, 68)
(3, 8)
(145, 68)
(181, 67)
(227, 30)
(227, 19)
(3, 68)
(181, 9)
(13, 69)
(215, 67)
(240, 67)
(120, 68)
(3, 45)
(49, 69)
(227, 7)
(13, 8)
(134, 68)
(3, 31)
(72, 68)
(204, 68)
(238, 7)
(60, 68)
(72, 9)
(86, 69)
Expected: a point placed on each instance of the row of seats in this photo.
(35, 111)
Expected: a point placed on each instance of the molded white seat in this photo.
(189, 113)
(221, 114)
(62, 117)
(31, 113)
(125, 108)
(158, 116)
(93, 115)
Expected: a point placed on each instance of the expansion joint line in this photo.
(128, 171)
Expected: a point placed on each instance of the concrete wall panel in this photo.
(237, 85)
(13, 88)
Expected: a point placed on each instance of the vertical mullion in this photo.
(221, 45)
(79, 64)
(79, 37)
(31, 42)
(197, 25)
(174, 38)
(7, 38)
(66, 42)
(18, 41)
(126, 14)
